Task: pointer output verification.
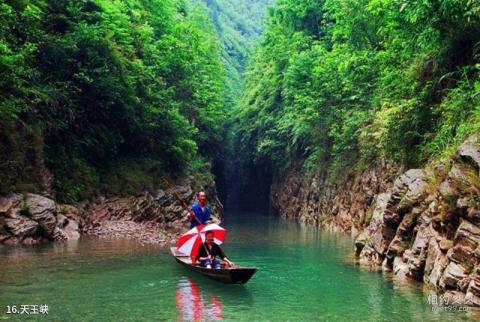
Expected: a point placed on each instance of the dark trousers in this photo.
(213, 263)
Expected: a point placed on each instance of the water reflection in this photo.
(192, 305)
(304, 275)
(72, 250)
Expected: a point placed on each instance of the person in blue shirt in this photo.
(199, 212)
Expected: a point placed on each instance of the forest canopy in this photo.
(239, 26)
(108, 94)
(343, 83)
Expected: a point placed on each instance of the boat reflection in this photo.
(193, 306)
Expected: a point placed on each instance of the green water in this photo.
(303, 275)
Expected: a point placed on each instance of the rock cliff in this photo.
(31, 219)
(425, 224)
(154, 218)
(337, 206)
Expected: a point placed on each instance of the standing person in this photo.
(200, 213)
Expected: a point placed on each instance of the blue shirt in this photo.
(203, 216)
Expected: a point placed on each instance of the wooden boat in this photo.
(237, 275)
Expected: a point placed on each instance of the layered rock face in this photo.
(31, 219)
(345, 206)
(424, 225)
(154, 218)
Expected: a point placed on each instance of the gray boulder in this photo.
(43, 211)
(469, 151)
(452, 276)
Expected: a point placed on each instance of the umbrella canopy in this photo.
(190, 242)
(219, 233)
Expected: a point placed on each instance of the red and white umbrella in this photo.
(190, 242)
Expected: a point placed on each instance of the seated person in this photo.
(209, 250)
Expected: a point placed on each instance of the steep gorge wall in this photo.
(425, 224)
(345, 206)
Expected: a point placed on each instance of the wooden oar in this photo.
(184, 205)
(181, 199)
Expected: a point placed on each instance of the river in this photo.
(303, 275)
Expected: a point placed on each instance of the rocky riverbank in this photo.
(422, 224)
(31, 219)
(150, 218)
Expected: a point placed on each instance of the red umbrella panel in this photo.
(190, 242)
(218, 233)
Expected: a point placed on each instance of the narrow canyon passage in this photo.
(338, 142)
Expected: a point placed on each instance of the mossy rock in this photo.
(26, 210)
(405, 244)
(42, 228)
(451, 202)
(446, 244)
(367, 218)
(469, 265)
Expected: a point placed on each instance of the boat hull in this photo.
(238, 275)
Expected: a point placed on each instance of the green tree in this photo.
(118, 92)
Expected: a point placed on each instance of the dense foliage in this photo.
(342, 83)
(110, 94)
(239, 25)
